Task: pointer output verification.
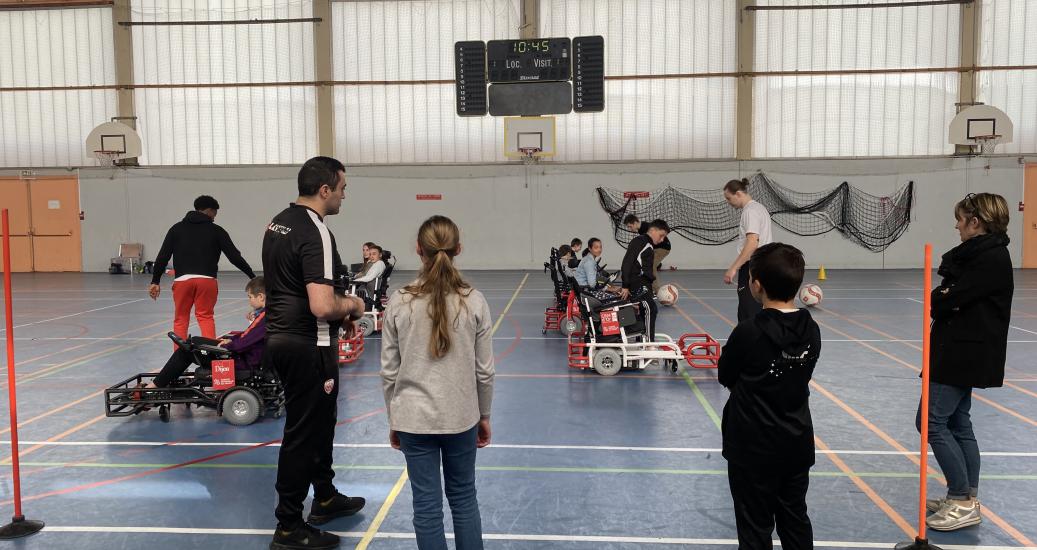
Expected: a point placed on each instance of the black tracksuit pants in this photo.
(179, 362)
(649, 309)
(748, 307)
(309, 430)
(764, 497)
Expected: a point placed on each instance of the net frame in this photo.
(986, 145)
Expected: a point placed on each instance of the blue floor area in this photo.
(579, 461)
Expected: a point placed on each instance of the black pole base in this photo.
(918, 544)
(20, 527)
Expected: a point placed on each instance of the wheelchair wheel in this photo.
(366, 325)
(163, 413)
(607, 362)
(241, 407)
(569, 325)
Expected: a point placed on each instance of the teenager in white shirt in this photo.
(754, 231)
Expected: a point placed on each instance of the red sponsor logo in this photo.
(636, 195)
(223, 374)
(609, 323)
(432, 197)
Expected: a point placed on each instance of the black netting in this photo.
(704, 217)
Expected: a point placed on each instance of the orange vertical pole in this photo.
(19, 526)
(926, 329)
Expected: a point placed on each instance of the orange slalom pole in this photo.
(920, 542)
(926, 343)
(19, 526)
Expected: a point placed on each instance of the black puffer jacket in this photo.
(971, 312)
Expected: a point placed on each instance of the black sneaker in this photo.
(304, 537)
(337, 506)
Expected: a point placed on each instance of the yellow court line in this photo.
(395, 492)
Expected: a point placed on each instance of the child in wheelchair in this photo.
(246, 347)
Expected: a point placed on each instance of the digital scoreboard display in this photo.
(542, 59)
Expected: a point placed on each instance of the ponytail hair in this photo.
(735, 186)
(439, 240)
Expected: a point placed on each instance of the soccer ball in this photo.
(811, 295)
(667, 295)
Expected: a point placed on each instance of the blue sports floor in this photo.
(578, 461)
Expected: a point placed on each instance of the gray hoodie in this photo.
(437, 396)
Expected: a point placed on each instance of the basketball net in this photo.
(986, 145)
(529, 154)
(106, 159)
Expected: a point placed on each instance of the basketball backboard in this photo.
(978, 123)
(116, 139)
(536, 133)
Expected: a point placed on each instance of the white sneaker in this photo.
(951, 517)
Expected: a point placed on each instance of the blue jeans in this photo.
(457, 453)
(951, 438)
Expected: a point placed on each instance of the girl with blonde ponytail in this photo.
(437, 377)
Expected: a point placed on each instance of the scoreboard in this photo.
(543, 59)
(526, 77)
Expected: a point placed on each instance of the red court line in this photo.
(138, 475)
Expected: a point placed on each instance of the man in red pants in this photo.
(195, 244)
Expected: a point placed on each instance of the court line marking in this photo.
(75, 314)
(912, 367)
(877, 499)
(395, 492)
(496, 536)
(520, 469)
(518, 446)
(994, 517)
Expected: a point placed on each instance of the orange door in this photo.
(14, 196)
(54, 205)
(1030, 217)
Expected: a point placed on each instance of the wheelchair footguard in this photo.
(350, 349)
(699, 351)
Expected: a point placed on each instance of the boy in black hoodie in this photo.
(768, 435)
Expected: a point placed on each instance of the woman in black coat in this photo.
(971, 310)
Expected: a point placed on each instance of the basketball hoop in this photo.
(986, 144)
(106, 158)
(529, 154)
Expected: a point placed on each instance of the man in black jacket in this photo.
(638, 274)
(195, 244)
(767, 430)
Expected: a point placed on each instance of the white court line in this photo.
(915, 301)
(1023, 330)
(74, 314)
(493, 446)
(496, 536)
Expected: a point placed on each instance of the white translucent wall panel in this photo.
(49, 128)
(654, 119)
(645, 119)
(841, 39)
(645, 37)
(53, 48)
(275, 52)
(413, 39)
(1014, 92)
(70, 47)
(411, 124)
(853, 115)
(235, 125)
(1007, 38)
